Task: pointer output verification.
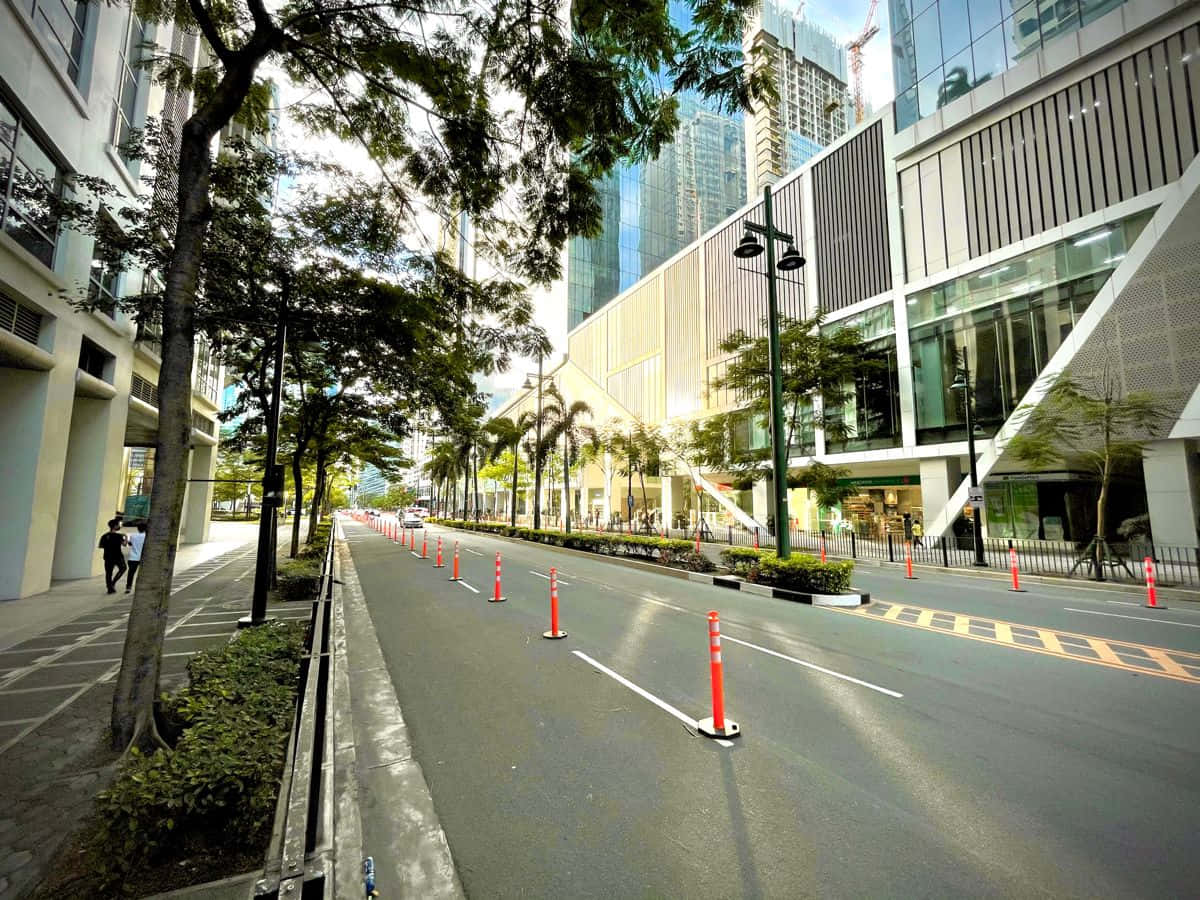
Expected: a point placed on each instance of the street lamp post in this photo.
(537, 450)
(748, 248)
(962, 382)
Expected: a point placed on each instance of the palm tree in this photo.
(507, 435)
(565, 424)
(443, 468)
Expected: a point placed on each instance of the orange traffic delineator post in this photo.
(439, 564)
(823, 550)
(497, 597)
(424, 545)
(908, 559)
(697, 540)
(1151, 587)
(756, 538)
(412, 539)
(554, 634)
(1012, 564)
(717, 726)
(455, 577)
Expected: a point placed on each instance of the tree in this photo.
(642, 448)
(401, 80)
(829, 485)
(237, 481)
(506, 439)
(566, 425)
(1090, 422)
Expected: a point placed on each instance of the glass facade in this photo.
(1009, 320)
(872, 414)
(653, 209)
(941, 49)
(63, 23)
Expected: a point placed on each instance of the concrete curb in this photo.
(778, 593)
(393, 803)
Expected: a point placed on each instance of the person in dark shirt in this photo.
(111, 543)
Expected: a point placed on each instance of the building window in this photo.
(103, 278)
(206, 371)
(93, 359)
(64, 23)
(129, 80)
(29, 181)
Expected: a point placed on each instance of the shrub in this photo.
(678, 554)
(297, 579)
(799, 572)
(218, 786)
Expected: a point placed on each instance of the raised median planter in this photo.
(800, 578)
(653, 551)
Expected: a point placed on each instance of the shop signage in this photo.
(882, 481)
(975, 494)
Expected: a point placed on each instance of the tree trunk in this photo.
(513, 495)
(298, 505)
(1099, 546)
(475, 480)
(318, 496)
(566, 487)
(645, 502)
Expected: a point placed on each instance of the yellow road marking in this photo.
(1177, 665)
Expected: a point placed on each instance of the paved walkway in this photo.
(56, 691)
(67, 600)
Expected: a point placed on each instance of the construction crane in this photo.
(870, 29)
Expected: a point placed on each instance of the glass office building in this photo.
(941, 49)
(653, 209)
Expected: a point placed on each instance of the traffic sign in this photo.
(975, 494)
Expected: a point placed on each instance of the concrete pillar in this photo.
(197, 504)
(760, 501)
(91, 486)
(667, 493)
(35, 421)
(940, 478)
(1172, 470)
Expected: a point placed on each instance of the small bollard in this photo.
(908, 560)
(369, 878)
(455, 577)
(554, 633)
(1151, 586)
(717, 726)
(756, 537)
(439, 564)
(822, 546)
(1012, 564)
(497, 598)
(424, 545)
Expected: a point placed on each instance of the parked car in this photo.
(413, 519)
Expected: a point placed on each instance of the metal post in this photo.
(272, 484)
(778, 435)
(976, 518)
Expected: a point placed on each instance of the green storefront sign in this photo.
(882, 481)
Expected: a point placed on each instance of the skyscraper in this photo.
(813, 108)
(653, 209)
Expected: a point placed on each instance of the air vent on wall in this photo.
(20, 320)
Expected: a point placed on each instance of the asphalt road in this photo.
(876, 760)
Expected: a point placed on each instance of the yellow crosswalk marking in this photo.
(1177, 665)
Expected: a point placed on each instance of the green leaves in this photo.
(799, 572)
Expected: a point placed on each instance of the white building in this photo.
(1043, 218)
(78, 395)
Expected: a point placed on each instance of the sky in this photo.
(844, 20)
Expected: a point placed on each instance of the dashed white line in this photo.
(814, 667)
(469, 550)
(467, 586)
(645, 694)
(1092, 612)
(547, 577)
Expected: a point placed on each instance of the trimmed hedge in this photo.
(217, 787)
(666, 551)
(799, 572)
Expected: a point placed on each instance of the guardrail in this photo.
(299, 859)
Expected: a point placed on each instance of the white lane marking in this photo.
(642, 692)
(469, 550)
(1092, 612)
(547, 577)
(814, 667)
(1123, 602)
(467, 586)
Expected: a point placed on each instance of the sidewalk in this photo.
(62, 652)
(24, 618)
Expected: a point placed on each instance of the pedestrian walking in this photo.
(136, 543)
(112, 542)
(917, 532)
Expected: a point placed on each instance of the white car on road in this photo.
(412, 519)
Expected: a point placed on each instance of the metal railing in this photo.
(300, 857)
